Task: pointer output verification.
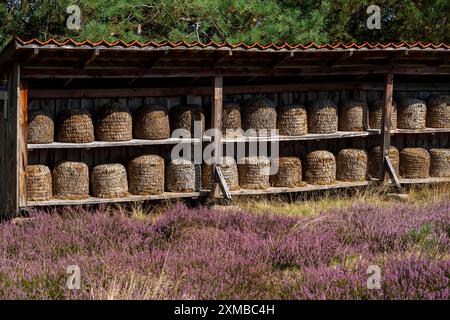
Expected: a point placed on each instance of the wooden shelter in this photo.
(55, 76)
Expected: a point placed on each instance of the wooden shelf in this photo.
(105, 144)
(309, 136)
(424, 181)
(308, 187)
(130, 198)
(426, 130)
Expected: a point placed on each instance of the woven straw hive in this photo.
(289, 173)
(351, 117)
(229, 170)
(109, 181)
(260, 115)
(39, 183)
(411, 114)
(181, 176)
(71, 180)
(75, 126)
(114, 123)
(40, 127)
(376, 112)
(320, 167)
(254, 172)
(151, 122)
(438, 112)
(231, 120)
(185, 117)
(292, 120)
(414, 163)
(351, 165)
(374, 161)
(322, 116)
(146, 175)
(440, 163)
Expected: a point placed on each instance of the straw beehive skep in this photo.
(351, 117)
(146, 175)
(40, 127)
(185, 117)
(231, 120)
(411, 114)
(229, 171)
(289, 173)
(114, 123)
(180, 176)
(254, 172)
(375, 114)
(322, 116)
(71, 180)
(374, 161)
(351, 165)
(438, 112)
(414, 163)
(320, 167)
(292, 120)
(440, 163)
(151, 122)
(39, 183)
(260, 115)
(109, 181)
(75, 126)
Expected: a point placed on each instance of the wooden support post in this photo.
(216, 124)
(14, 146)
(386, 124)
(393, 175)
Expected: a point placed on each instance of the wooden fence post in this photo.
(216, 124)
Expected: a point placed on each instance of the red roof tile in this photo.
(286, 46)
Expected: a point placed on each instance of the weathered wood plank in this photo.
(130, 198)
(22, 137)
(386, 123)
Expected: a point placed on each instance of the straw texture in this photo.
(181, 176)
(374, 161)
(39, 183)
(75, 126)
(254, 172)
(320, 167)
(184, 117)
(40, 127)
(289, 173)
(322, 116)
(438, 112)
(229, 170)
(109, 181)
(411, 114)
(151, 122)
(440, 163)
(231, 120)
(292, 120)
(260, 115)
(114, 123)
(351, 117)
(375, 114)
(146, 175)
(71, 180)
(414, 163)
(351, 165)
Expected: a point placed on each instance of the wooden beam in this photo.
(392, 174)
(22, 136)
(344, 56)
(183, 91)
(91, 58)
(286, 57)
(216, 124)
(386, 123)
(31, 56)
(221, 57)
(56, 73)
